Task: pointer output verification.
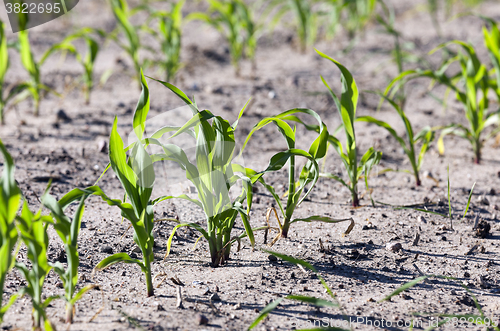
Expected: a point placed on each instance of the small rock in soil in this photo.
(482, 229)
(480, 282)
(102, 146)
(106, 249)
(62, 116)
(466, 300)
(237, 306)
(482, 200)
(202, 320)
(272, 258)
(492, 191)
(215, 297)
(421, 219)
(394, 247)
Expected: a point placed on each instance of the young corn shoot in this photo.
(33, 231)
(12, 92)
(426, 136)
(234, 20)
(137, 176)
(213, 177)
(306, 18)
(473, 96)
(492, 43)
(309, 173)
(87, 60)
(33, 69)
(132, 46)
(68, 229)
(10, 201)
(346, 107)
(359, 13)
(168, 33)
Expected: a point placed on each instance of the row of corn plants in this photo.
(224, 193)
(473, 85)
(234, 19)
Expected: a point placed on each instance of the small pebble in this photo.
(62, 116)
(394, 247)
(106, 249)
(202, 320)
(421, 219)
(272, 258)
(102, 146)
(482, 200)
(215, 297)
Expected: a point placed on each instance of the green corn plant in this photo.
(309, 174)
(426, 136)
(318, 302)
(10, 201)
(87, 60)
(358, 14)
(346, 107)
(474, 95)
(233, 19)
(213, 177)
(306, 18)
(492, 43)
(67, 229)
(330, 13)
(168, 33)
(33, 68)
(137, 176)
(10, 93)
(33, 230)
(132, 46)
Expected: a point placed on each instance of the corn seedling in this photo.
(492, 43)
(34, 86)
(13, 91)
(10, 201)
(359, 14)
(33, 230)
(137, 176)
(346, 107)
(329, 12)
(68, 229)
(132, 46)
(474, 96)
(213, 177)
(234, 20)
(478, 320)
(168, 33)
(309, 174)
(306, 18)
(87, 60)
(333, 302)
(426, 136)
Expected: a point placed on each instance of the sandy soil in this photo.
(358, 267)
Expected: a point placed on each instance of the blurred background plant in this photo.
(234, 20)
(168, 33)
(87, 60)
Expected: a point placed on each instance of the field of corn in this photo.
(262, 164)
